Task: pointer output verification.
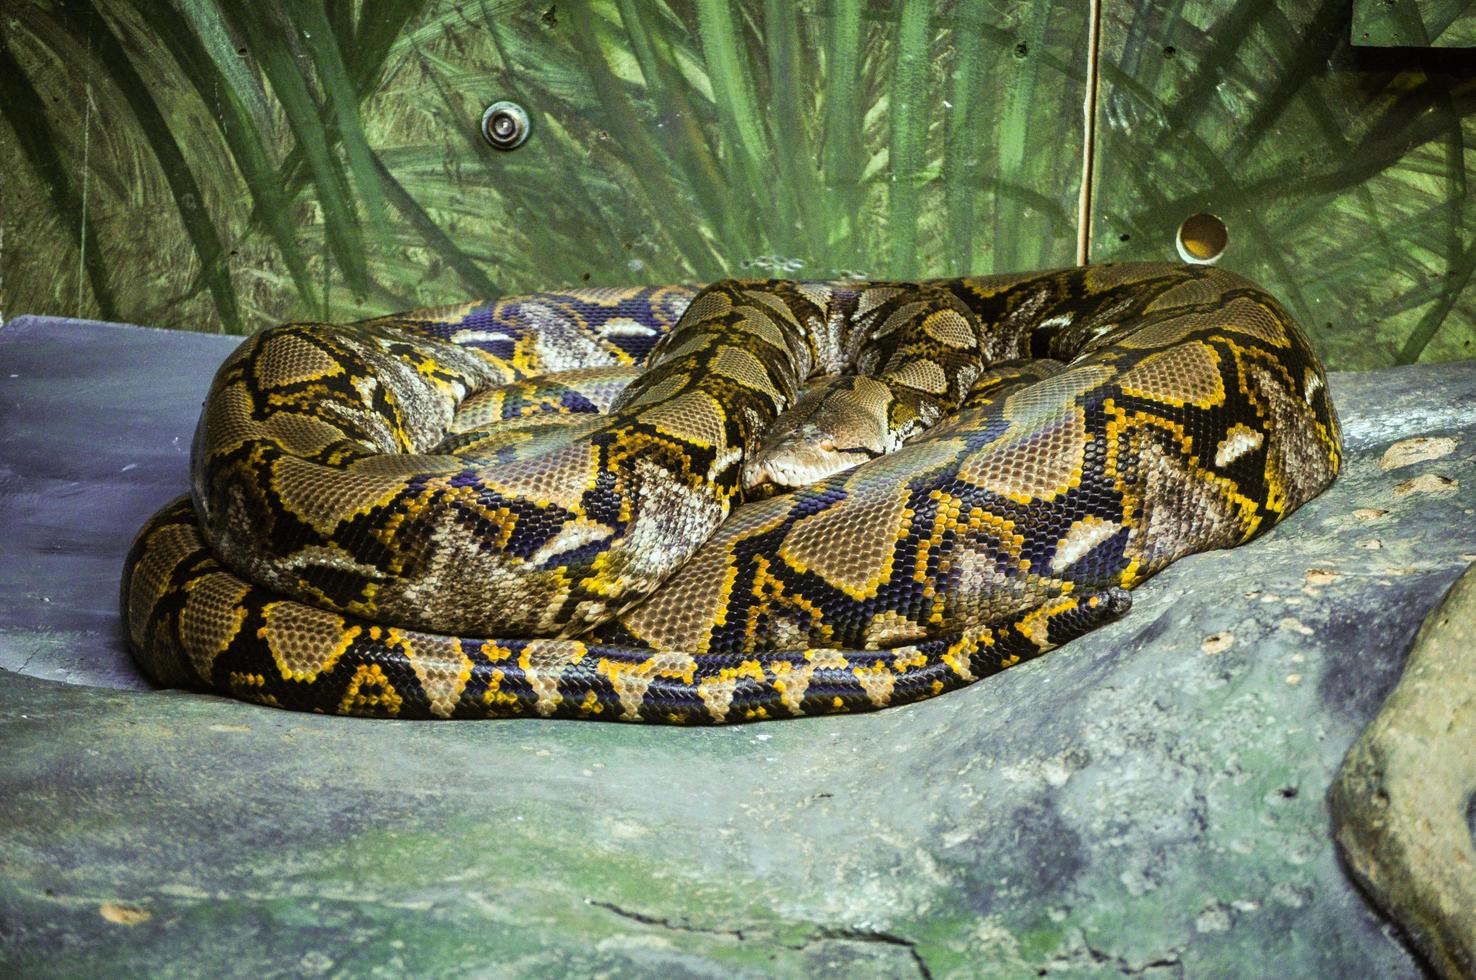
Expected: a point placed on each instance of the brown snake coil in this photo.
(477, 511)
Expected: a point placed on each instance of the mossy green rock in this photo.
(1404, 802)
(1149, 799)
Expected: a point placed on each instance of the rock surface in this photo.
(1402, 803)
(1148, 800)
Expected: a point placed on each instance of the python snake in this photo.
(485, 510)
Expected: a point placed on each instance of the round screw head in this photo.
(505, 125)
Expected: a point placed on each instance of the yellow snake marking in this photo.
(872, 299)
(442, 670)
(543, 662)
(631, 681)
(775, 304)
(709, 306)
(496, 699)
(959, 656)
(745, 369)
(214, 614)
(901, 317)
(922, 375)
(281, 362)
(787, 617)
(304, 642)
(1186, 374)
(694, 416)
(370, 692)
(1239, 440)
(1035, 626)
(878, 681)
(324, 503)
(950, 328)
(826, 543)
(1039, 463)
(890, 628)
(1084, 535)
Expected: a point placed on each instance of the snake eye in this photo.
(828, 445)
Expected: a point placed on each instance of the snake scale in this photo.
(755, 499)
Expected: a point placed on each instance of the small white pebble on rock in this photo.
(1217, 642)
(1431, 483)
(124, 915)
(1214, 918)
(1290, 895)
(1406, 452)
(315, 962)
(1295, 625)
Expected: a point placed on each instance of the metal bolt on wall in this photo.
(505, 125)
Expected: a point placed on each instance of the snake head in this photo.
(804, 455)
(837, 424)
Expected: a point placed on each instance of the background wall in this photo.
(213, 165)
(1422, 23)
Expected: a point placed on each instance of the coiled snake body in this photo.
(484, 511)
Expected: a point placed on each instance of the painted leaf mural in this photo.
(1415, 23)
(334, 165)
(1341, 173)
(211, 165)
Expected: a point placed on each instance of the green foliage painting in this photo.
(253, 162)
(215, 165)
(1343, 173)
(1415, 23)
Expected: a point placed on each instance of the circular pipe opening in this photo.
(1202, 239)
(505, 125)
